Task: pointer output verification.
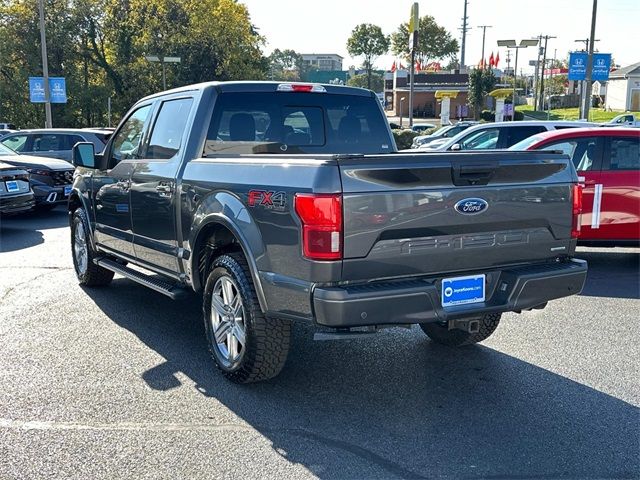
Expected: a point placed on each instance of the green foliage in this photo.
(375, 83)
(481, 82)
(434, 41)
(99, 47)
(285, 65)
(404, 138)
(369, 42)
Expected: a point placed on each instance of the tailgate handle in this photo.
(473, 174)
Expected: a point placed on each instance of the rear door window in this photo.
(166, 137)
(624, 154)
(283, 122)
(48, 142)
(517, 134)
(481, 140)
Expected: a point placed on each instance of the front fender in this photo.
(224, 208)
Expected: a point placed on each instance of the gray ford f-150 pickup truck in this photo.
(283, 202)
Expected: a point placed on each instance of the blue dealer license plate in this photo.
(12, 186)
(463, 290)
(67, 190)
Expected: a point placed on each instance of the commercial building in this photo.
(623, 89)
(322, 61)
(425, 104)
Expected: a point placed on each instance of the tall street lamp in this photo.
(512, 44)
(163, 60)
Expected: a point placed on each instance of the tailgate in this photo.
(419, 214)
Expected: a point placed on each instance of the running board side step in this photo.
(172, 291)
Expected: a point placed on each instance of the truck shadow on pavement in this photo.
(613, 274)
(24, 231)
(395, 405)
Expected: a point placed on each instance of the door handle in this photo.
(590, 182)
(163, 188)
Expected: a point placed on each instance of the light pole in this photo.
(163, 60)
(587, 82)
(45, 68)
(512, 44)
(402, 99)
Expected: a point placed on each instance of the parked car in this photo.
(496, 135)
(50, 178)
(4, 131)
(421, 127)
(326, 225)
(54, 142)
(7, 126)
(624, 120)
(445, 133)
(15, 192)
(608, 159)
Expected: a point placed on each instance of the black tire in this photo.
(439, 333)
(93, 275)
(266, 339)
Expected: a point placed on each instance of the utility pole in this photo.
(586, 42)
(45, 68)
(508, 59)
(484, 31)
(535, 74)
(464, 34)
(587, 90)
(544, 61)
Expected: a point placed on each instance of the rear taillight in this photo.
(576, 210)
(321, 217)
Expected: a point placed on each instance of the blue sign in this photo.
(578, 65)
(601, 66)
(57, 90)
(36, 89)
(462, 290)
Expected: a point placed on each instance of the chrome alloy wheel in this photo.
(228, 320)
(80, 249)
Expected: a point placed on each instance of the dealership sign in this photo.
(578, 66)
(57, 90)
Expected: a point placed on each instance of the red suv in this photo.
(608, 163)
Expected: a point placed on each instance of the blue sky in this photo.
(323, 26)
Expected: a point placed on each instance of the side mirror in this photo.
(83, 155)
(456, 147)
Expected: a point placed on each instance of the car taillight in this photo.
(576, 195)
(321, 217)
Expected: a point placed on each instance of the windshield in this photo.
(526, 143)
(4, 151)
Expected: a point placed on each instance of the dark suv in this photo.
(54, 143)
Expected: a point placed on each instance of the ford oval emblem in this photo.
(471, 206)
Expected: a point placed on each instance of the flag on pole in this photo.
(492, 60)
(497, 58)
(393, 67)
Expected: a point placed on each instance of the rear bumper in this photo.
(418, 300)
(50, 195)
(16, 203)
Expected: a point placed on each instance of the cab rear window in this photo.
(283, 122)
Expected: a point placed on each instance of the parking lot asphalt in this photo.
(117, 382)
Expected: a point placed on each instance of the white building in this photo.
(623, 89)
(322, 61)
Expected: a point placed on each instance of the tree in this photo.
(367, 41)
(481, 82)
(285, 65)
(434, 41)
(99, 46)
(375, 82)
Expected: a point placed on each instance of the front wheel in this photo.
(439, 333)
(247, 346)
(89, 274)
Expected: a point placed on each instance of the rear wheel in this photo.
(439, 332)
(247, 346)
(89, 274)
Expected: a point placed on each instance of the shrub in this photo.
(404, 138)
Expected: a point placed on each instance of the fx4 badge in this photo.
(267, 199)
